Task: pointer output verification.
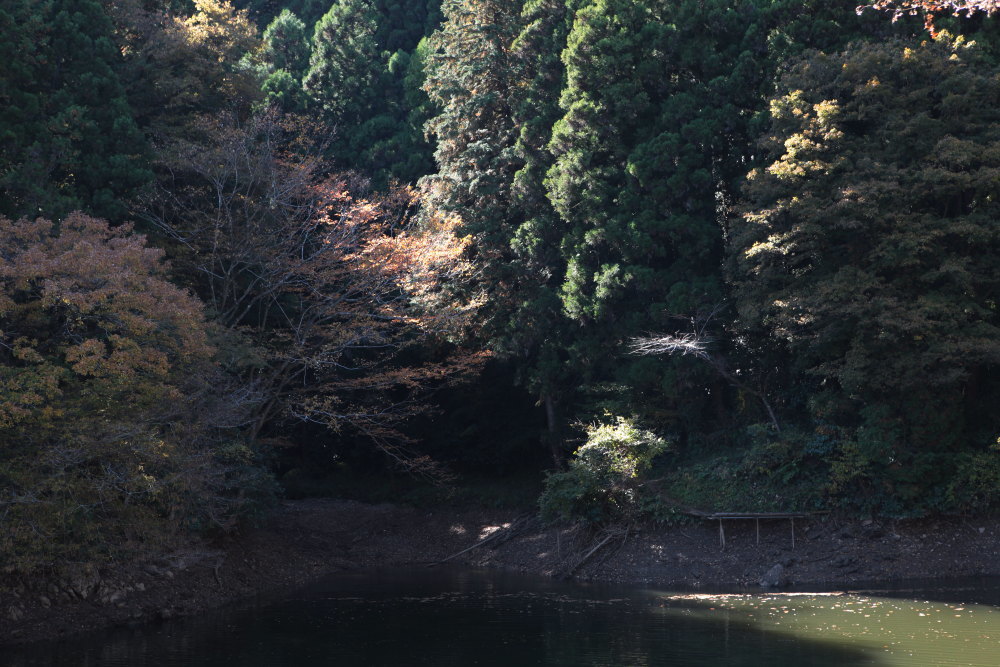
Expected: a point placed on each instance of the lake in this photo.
(460, 617)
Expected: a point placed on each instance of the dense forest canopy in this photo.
(748, 247)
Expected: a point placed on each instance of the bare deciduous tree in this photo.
(326, 278)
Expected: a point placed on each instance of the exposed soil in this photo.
(303, 540)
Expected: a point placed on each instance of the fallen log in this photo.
(496, 538)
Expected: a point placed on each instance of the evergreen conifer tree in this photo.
(285, 57)
(657, 104)
(68, 138)
(345, 62)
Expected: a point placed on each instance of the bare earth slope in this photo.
(305, 539)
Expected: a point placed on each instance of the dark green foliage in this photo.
(537, 331)
(767, 472)
(284, 44)
(284, 56)
(497, 85)
(345, 64)
(265, 11)
(470, 74)
(361, 90)
(868, 251)
(402, 23)
(67, 135)
(655, 131)
(390, 143)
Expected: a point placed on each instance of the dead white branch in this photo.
(670, 344)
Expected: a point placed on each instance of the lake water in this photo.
(459, 617)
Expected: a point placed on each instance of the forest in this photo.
(730, 254)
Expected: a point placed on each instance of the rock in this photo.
(45, 601)
(873, 531)
(83, 581)
(844, 561)
(774, 578)
(110, 594)
(15, 613)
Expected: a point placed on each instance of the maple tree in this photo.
(324, 277)
(116, 429)
(932, 10)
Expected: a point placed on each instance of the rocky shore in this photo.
(303, 540)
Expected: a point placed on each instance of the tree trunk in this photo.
(553, 429)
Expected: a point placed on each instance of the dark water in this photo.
(457, 618)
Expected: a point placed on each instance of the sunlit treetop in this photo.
(932, 9)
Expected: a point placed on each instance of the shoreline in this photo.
(302, 541)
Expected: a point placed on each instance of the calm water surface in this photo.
(456, 618)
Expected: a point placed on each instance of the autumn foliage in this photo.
(325, 279)
(112, 413)
(931, 9)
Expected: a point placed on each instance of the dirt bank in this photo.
(303, 540)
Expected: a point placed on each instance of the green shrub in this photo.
(604, 479)
(976, 483)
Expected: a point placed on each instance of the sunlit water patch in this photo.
(460, 617)
(891, 631)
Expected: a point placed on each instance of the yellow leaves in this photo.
(804, 149)
(788, 106)
(775, 243)
(227, 32)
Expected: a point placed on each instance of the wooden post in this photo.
(722, 536)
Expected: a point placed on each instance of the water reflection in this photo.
(898, 631)
(462, 618)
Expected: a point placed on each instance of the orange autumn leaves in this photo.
(931, 9)
(82, 299)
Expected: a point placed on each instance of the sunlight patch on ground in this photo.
(486, 531)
